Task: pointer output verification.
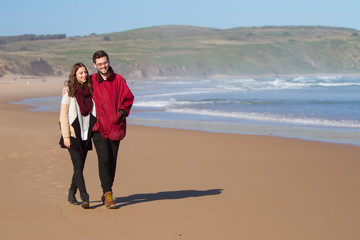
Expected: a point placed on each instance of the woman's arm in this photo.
(64, 120)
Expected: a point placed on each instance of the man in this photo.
(113, 100)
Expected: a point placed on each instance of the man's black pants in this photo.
(107, 151)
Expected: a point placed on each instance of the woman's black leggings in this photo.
(78, 160)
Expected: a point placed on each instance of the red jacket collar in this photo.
(110, 78)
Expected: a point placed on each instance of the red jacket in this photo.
(113, 100)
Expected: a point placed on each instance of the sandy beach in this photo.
(173, 184)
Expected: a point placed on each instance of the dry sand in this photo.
(173, 184)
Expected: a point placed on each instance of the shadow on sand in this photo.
(170, 195)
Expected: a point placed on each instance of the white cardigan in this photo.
(69, 111)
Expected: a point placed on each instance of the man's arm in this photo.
(65, 90)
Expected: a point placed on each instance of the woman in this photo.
(77, 117)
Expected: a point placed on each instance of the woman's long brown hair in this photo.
(73, 83)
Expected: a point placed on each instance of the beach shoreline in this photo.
(174, 183)
(268, 117)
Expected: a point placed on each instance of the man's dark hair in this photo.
(100, 54)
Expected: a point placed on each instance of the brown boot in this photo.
(109, 201)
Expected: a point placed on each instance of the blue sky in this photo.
(78, 18)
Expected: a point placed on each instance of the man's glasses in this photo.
(102, 64)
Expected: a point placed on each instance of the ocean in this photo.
(314, 108)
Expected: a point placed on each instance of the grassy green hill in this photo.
(194, 52)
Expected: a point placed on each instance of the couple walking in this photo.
(94, 107)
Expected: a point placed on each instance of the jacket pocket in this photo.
(118, 132)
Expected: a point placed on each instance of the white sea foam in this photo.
(301, 79)
(337, 84)
(182, 93)
(329, 77)
(152, 104)
(239, 86)
(269, 118)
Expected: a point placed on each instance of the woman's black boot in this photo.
(72, 198)
(85, 200)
